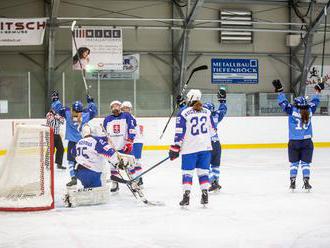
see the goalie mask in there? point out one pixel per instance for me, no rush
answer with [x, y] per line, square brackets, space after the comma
[92, 129]
[86, 131]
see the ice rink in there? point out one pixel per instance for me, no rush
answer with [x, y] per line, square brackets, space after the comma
[254, 209]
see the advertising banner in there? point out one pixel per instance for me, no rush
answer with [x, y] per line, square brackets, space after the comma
[22, 32]
[234, 71]
[99, 48]
[130, 71]
[313, 78]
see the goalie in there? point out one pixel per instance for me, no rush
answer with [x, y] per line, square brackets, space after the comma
[90, 154]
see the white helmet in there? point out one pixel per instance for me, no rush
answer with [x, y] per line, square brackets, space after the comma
[127, 104]
[86, 130]
[194, 95]
[92, 128]
[114, 102]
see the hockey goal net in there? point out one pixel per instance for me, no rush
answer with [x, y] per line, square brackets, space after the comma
[27, 174]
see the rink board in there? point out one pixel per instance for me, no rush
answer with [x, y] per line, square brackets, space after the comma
[234, 132]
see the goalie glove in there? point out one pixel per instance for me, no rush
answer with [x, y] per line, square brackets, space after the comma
[125, 161]
[221, 95]
[174, 152]
[277, 85]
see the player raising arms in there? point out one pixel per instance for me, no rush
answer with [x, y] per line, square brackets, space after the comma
[91, 153]
[126, 106]
[120, 128]
[76, 118]
[217, 116]
[194, 129]
[300, 131]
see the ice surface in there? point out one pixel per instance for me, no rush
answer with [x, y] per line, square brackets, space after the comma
[254, 209]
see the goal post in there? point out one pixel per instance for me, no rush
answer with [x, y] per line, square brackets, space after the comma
[27, 173]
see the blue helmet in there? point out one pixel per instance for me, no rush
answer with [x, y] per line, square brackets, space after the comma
[77, 106]
[209, 106]
[301, 102]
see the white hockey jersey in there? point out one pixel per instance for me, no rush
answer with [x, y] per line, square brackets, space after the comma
[91, 153]
[194, 130]
[120, 129]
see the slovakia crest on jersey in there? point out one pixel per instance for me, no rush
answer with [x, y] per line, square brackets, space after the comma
[116, 128]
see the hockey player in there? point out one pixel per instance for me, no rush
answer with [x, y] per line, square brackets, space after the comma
[300, 131]
[217, 116]
[76, 118]
[91, 153]
[194, 129]
[120, 128]
[126, 106]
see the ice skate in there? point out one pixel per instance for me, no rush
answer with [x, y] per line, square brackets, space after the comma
[215, 186]
[114, 187]
[205, 197]
[292, 184]
[73, 182]
[61, 167]
[185, 199]
[306, 185]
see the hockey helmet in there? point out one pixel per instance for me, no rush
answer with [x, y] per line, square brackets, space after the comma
[115, 102]
[194, 95]
[127, 104]
[86, 130]
[209, 105]
[301, 102]
[77, 106]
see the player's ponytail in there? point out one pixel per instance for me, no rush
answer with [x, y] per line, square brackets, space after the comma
[197, 105]
[304, 115]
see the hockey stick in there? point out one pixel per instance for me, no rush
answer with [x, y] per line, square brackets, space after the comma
[151, 168]
[199, 68]
[81, 67]
[138, 194]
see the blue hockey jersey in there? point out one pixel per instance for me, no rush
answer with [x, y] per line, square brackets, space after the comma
[217, 117]
[73, 128]
[297, 129]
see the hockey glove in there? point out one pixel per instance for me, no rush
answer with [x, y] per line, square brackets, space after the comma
[277, 85]
[174, 152]
[128, 146]
[319, 87]
[55, 96]
[89, 99]
[125, 161]
[221, 95]
[180, 100]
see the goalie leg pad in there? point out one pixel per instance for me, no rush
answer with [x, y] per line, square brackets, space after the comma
[87, 196]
